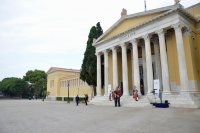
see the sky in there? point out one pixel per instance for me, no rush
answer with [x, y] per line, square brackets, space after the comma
[39, 34]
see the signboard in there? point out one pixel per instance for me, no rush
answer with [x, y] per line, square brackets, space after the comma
[109, 89]
[156, 87]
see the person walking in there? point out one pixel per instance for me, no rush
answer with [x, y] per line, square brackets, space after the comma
[86, 99]
[77, 100]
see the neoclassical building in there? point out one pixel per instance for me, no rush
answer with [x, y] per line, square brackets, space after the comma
[59, 79]
[162, 44]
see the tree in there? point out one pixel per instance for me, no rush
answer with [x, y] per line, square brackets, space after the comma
[89, 68]
[38, 81]
[13, 86]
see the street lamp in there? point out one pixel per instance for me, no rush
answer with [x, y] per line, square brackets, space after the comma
[29, 86]
[68, 92]
[78, 90]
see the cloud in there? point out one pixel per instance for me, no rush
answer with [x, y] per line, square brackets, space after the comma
[38, 34]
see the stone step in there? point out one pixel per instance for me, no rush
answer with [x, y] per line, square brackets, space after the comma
[126, 101]
[175, 101]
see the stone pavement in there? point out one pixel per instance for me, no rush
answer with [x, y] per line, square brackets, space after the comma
[24, 116]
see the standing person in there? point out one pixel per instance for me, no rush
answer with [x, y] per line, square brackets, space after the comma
[110, 95]
[133, 93]
[113, 95]
[136, 95]
[117, 97]
[119, 94]
[86, 99]
[77, 100]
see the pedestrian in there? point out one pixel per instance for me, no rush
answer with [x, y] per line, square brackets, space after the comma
[113, 95]
[86, 99]
[77, 100]
[117, 95]
[136, 95]
[110, 95]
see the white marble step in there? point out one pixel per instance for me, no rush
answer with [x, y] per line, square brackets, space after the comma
[126, 101]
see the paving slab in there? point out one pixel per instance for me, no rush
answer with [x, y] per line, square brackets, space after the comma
[35, 116]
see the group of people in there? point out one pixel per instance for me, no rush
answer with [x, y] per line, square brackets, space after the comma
[77, 99]
[115, 95]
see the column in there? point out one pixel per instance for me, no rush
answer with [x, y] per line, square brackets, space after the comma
[106, 72]
[148, 63]
[115, 67]
[181, 58]
[98, 74]
[136, 65]
[144, 70]
[158, 74]
[164, 62]
[124, 70]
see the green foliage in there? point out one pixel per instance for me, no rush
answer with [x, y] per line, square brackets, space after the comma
[59, 98]
[13, 86]
[38, 81]
[45, 93]
[70, 98]
[88, 68]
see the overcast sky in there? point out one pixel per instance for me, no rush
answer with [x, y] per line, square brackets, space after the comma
[39, 34]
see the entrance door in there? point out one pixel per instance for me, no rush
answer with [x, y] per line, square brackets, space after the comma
[141, 80]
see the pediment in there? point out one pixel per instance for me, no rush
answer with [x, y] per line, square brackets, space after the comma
[56, 69]
[129, 21]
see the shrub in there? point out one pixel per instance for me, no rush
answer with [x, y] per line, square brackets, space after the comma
[59, 98]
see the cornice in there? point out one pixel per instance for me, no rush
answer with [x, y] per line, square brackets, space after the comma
[136, 15]
[130, 31]
[195, 5]
[55, 69]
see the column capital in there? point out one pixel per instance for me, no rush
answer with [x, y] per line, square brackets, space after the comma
[106, 51]
[160, 32]
[98, 53]
[123, 45]
[177, 26]
[134, 41]
[113, 48]
[146, 37]
[187, 31]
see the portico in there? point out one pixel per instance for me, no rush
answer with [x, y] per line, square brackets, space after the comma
[147, 55]
[144, 52]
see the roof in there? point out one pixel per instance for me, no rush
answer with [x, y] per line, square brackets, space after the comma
[195, 5]
[54, 69]
[168, 10]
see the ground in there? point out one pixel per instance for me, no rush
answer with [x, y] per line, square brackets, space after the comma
[35, 116]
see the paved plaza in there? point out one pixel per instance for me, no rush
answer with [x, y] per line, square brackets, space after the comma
[35, 116]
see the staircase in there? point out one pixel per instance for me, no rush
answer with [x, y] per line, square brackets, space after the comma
[185, 100]
[126, 101]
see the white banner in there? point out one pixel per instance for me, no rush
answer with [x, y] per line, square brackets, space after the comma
[157, 87]
[109, 89]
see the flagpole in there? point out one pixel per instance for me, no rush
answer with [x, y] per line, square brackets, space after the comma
[145, 7]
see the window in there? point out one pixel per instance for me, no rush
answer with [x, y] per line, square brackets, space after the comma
[52, 84]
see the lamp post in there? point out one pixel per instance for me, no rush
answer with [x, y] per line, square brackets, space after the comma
[68, 92]
[78, 90]
[29, 85]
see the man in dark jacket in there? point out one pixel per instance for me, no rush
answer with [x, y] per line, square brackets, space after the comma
[77, 100]
[86, 99]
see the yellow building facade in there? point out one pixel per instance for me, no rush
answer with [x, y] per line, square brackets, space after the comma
[60, 80]
[160, 44]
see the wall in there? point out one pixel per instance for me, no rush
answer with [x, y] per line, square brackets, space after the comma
[129, 23]
[60, 91]
[194, 10]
